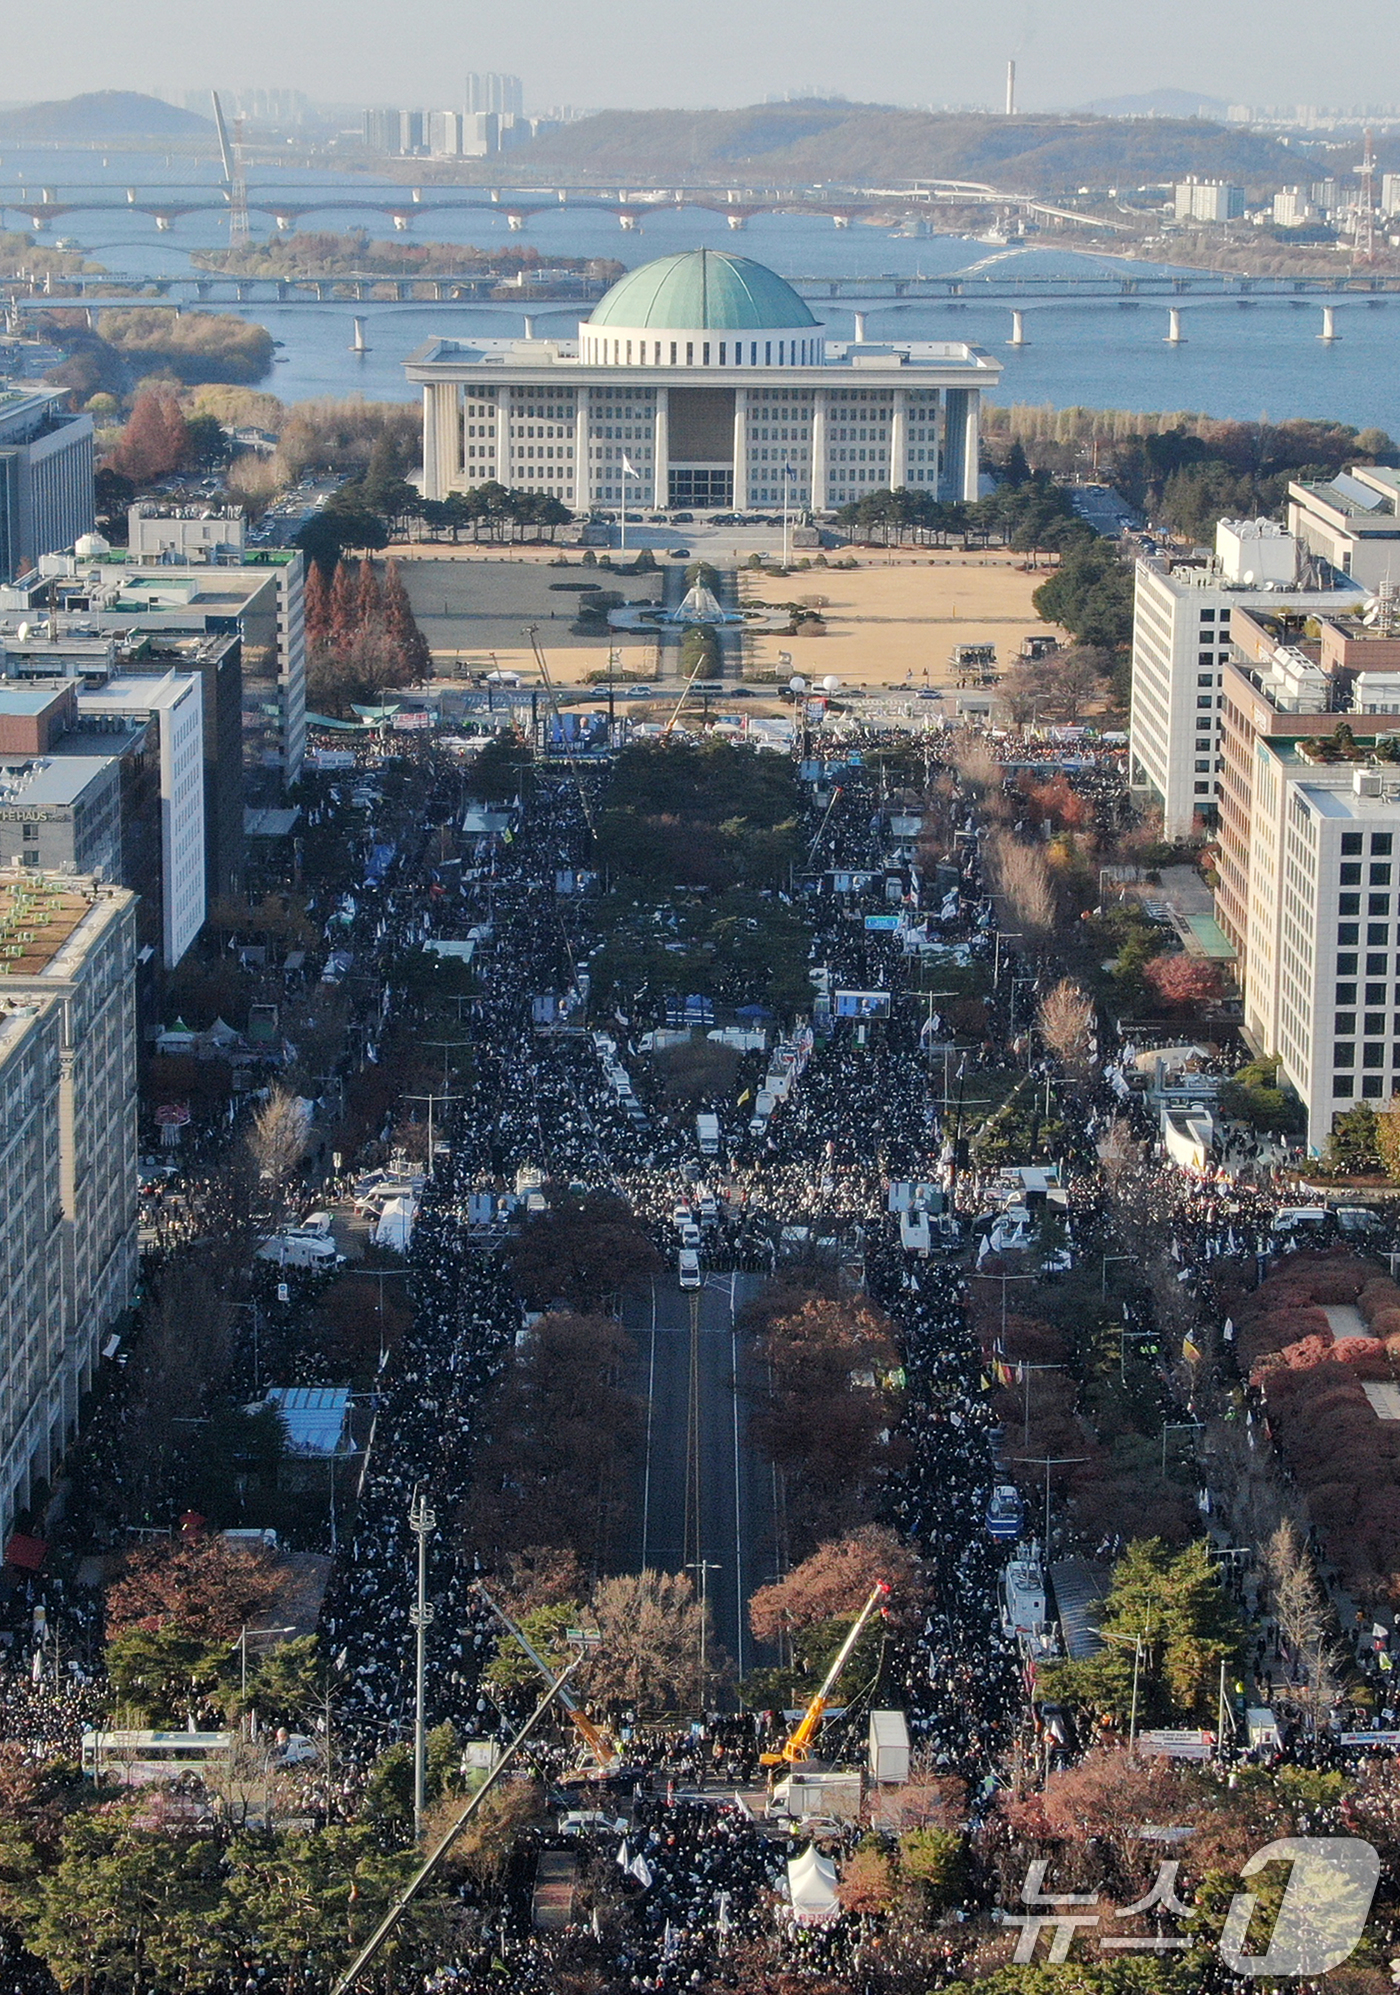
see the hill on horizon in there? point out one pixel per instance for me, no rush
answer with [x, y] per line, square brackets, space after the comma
[1158, 104]
[104, 114]
[798, 144]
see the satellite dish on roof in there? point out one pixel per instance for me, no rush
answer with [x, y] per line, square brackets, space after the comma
[25, 632]
[831, 684]
[1248, 578]
[797, 684]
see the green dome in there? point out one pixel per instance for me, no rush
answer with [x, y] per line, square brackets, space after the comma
[701, 290]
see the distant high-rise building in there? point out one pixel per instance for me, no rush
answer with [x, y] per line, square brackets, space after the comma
[504, 95]
[1390, 193]
[445, 134]
[1291, 208]
[285, 109]
[1208, 200]
[46, 477]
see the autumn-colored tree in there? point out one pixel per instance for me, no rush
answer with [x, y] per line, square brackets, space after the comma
[279, 1135]
[866, 1885]
[1388, 1138]
[401, 626]
[344, 603]
[831, 1403]
[155, 440]
[585, 1249]
[563, 1432]
[315, 605]
[368, 599]
[211, 1588]
[834, 1579]
[1183, 982]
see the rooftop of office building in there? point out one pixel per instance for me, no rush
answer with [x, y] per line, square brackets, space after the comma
[40, 916]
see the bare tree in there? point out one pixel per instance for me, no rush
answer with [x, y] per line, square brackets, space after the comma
[1076, 679]
[1023, 878]
[278, 1141]
[279, 1135]
[1300, 1609]
[975, 763]
[650, 1652]
[1067, 1023]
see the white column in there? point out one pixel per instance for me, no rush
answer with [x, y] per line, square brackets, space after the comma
[741, 449]
[899, 438]
[819, 451]
[432, 473]
[447, 421]
[661, 449]
[583, 468]
[972, 430]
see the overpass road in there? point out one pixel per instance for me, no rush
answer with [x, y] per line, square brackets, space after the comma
[705, 1494]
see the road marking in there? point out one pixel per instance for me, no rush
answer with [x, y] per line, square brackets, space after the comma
[651, 1406]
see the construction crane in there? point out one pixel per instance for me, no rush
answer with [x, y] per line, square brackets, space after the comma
[596, 1740]
[795, 1747]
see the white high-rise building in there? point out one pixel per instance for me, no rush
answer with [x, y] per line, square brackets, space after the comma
[1181, 644]
[68, 1158]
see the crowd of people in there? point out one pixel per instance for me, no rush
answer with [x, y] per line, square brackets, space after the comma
[869, 1103]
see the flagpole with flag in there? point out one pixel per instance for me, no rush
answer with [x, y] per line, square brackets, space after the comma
[627, 472]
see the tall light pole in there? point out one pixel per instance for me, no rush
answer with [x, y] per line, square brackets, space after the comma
[432, 1101]
[422, 1522]
[704, 1567]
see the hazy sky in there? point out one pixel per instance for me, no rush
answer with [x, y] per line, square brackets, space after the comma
[696, 52]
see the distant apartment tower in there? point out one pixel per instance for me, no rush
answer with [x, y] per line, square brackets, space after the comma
[283, 108]
[505, 95]
[46, 477]
[68, 1161]
[445, 134]
[1292, 208]
[1323, 195]
[1390, 193]
[381, 128]
[1208, 200]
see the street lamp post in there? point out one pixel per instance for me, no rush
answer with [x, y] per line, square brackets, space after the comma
[703, 1568]
[422, 1522]
[1002, 935]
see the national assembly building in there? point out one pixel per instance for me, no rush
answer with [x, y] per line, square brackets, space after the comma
[697, 382]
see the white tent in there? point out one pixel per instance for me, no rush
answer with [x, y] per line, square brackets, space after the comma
[812, 1888]
[395, 1228]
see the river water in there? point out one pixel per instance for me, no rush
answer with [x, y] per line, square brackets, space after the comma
[1258, 360]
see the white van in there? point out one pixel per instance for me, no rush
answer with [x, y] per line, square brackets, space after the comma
[689, 1268]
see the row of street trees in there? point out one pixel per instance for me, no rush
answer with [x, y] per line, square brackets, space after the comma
[361, 634]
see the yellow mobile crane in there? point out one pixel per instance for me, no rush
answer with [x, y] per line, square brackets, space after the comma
[794, 1749]
[596, 1740]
